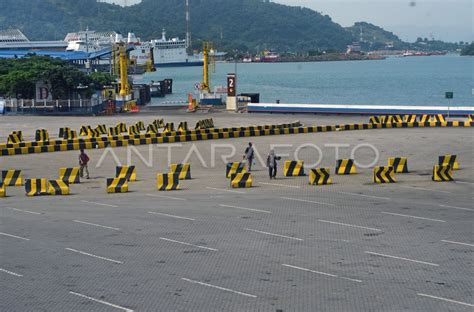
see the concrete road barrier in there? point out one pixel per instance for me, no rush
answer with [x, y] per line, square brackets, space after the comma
[167, 182]
[234, 167]
[70, 175]
[241, 180]
[126, 172]
[345, 166]
[385, 174]
[12, 177]
[449, 160]
[36, 187]
[293, 168]
[442, 173]
[58, 187]
[400, 164]
[117, 185]
[320, 176]
[182, 170]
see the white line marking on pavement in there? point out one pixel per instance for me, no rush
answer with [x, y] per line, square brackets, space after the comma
[171, 216]
[11, 273]
[225, 190]
[273, 234]
[455, 207]
[415, 217]
[27, 211]
[14, 236]
[101, 301]
[91, 255]
[242, 208]
[464, 182]
[188, 244]
[163, 196]
[445, 299]
[318, 272]
[345, 224]
[220, 288]
[400, 258]
[98, 225]
[423, 189]
[363, 195]
[459, 243]
[282, 185]
[307, 201]
[98, 204]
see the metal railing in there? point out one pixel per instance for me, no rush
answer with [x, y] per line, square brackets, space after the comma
[55, 107]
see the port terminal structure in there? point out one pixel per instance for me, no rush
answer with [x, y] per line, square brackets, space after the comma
[358, 109]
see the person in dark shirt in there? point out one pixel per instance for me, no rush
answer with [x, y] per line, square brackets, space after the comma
[83, 161]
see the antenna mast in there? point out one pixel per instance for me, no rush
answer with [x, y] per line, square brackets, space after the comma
[188, 32]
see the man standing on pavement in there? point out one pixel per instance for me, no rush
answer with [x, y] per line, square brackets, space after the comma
[272, 164]
[249, 155]
[83, 160]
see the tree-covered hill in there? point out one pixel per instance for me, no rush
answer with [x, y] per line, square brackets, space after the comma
[373, 37]
[239, 24]
[468, 50]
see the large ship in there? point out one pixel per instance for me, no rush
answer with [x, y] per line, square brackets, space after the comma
[166, 52]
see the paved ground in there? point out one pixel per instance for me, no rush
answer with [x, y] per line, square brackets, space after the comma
[280, 246]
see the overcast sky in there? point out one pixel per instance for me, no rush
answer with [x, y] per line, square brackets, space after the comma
[448, 20]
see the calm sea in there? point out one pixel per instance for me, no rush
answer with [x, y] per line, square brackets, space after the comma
[394, 81]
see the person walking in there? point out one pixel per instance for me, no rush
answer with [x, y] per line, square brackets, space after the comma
[249, 155]
[272, 164]
[83, 161]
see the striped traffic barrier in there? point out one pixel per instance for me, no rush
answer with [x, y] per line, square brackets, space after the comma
[102, 129]
[140, 125]
[448, 160]
[36, 187]
[117, 185]
[133, 130]
[84, 130]
[62, 130]
[409, 118]
[167, 181]
[12, 177]
[121, 127]
[69, 135]
[93, 133]
[400, 164]
[234, 167]
[3, 192]
[70, 175]
[15, 137]
[114, 131]
[126, 172]
[58, 187]
[442, 173]
[182, 170]
[241, 180]
[376, 119]
[345, 166]
[159, 123]
[384, 174]
[432, 118]
[169, 127]
[183, 126]
[293, 168]
[41, 135]
[320, 176]
[394, 119]
[152, 129]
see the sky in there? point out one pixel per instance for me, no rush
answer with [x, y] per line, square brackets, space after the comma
[447, 20]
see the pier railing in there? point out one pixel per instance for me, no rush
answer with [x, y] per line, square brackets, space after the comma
[54, 107]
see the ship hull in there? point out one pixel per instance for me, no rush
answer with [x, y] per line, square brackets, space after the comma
[180, 64]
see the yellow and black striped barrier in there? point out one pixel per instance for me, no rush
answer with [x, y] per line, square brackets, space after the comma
[241, 180]
[133, 130]
[152, 129]
[69, 135]
[345, 166]
[183, 126]
[121, 127]
[449, 160]
[36, 187]
[233, 168]
[400, 164]
[293, 168]
[182, 170]
[167, 181]
[102, 129]
[15, 137]
[114, 131]
[432, 118]
[384, 174]
[442, 173]
[84, 130]
[93, 133]
[320, 176]
[58, 187]
[70, 175]
[126, 172]
[3, 192]
[140, 125]
[117, 185]
[41, 135]
[12, 177]
[409, 118]
[116, 140]
[169, 127]
[63, 130]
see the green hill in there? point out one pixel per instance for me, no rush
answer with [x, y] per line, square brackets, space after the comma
[468, 50]
[246, 25]
[373, 37]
